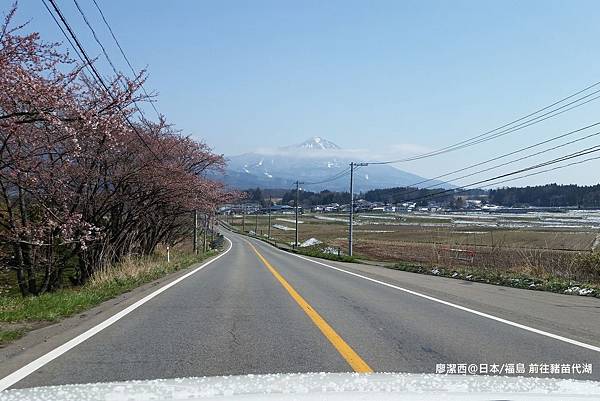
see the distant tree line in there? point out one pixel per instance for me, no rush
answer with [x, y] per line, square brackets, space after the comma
[551, 195]
[387, 195]
[308, 198]
[261, 195]
[408, 194]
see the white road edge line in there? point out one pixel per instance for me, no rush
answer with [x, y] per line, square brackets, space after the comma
[463, 308]
[31, 367]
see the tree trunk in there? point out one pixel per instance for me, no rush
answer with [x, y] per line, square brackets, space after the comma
[26, 249]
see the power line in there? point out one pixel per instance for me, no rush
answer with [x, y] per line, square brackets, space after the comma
[550, 169]
[95, 36]
[95, 73]
[66, 36]
[349, 170]
[123, 53]
[573, 155]
[528, 156]
[591, 149]
[525, 124]
[104, 52]
[111, 62]
[516, 160]
[506, 154]
[465, 189]
[337, 176]
[505, 129]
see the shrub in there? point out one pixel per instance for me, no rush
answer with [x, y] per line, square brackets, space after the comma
[588, 265]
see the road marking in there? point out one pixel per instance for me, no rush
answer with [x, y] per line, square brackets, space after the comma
[353, 359]
[31, 367]
[456, 306]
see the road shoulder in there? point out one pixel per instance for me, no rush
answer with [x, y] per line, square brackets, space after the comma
[38, 342]
[571, 316]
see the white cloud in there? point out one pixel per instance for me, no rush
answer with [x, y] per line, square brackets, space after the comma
[379, 152]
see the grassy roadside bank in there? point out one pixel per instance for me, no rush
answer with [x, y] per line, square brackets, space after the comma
[507, 279]
[19, 315]
[541, 281]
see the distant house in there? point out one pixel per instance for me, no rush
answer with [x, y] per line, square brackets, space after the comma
[284, 209]
[331, 207]
[473, 203]
[406, 207]
[238, 208]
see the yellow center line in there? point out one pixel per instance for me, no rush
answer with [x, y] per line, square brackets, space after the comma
[334, 338]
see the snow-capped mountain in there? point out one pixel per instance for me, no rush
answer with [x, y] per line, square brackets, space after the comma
[312, 161]
[316, 143]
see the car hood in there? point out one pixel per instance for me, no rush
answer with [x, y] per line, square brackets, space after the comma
[321, 386]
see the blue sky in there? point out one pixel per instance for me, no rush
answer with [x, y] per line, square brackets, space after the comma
[384, 78]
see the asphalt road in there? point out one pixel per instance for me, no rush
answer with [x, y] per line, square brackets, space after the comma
[260, 310]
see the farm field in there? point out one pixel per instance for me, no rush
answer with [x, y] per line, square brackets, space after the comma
[571, 231]
[546, 242]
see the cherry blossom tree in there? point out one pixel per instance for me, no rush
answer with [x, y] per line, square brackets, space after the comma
[83, 183]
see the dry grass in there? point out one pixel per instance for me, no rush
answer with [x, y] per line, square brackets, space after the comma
[389, 230]
[129, 269]
[18, 314]
[540, 252]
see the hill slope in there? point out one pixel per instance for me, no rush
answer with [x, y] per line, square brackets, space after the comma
[314, 160]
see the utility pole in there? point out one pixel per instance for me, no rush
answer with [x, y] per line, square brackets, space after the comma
[204, 233]
[269, 229]
[243, 218]
[297, 198]
[195, 231]
[256, 224]
[351, 216]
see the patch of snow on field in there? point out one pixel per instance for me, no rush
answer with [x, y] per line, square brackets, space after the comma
[374, 231]
[367, 216]
[330, 218]
[284, 228]
[472, 216]
[289, 220]
[310, 242]
[566, 226]
[474, 223]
